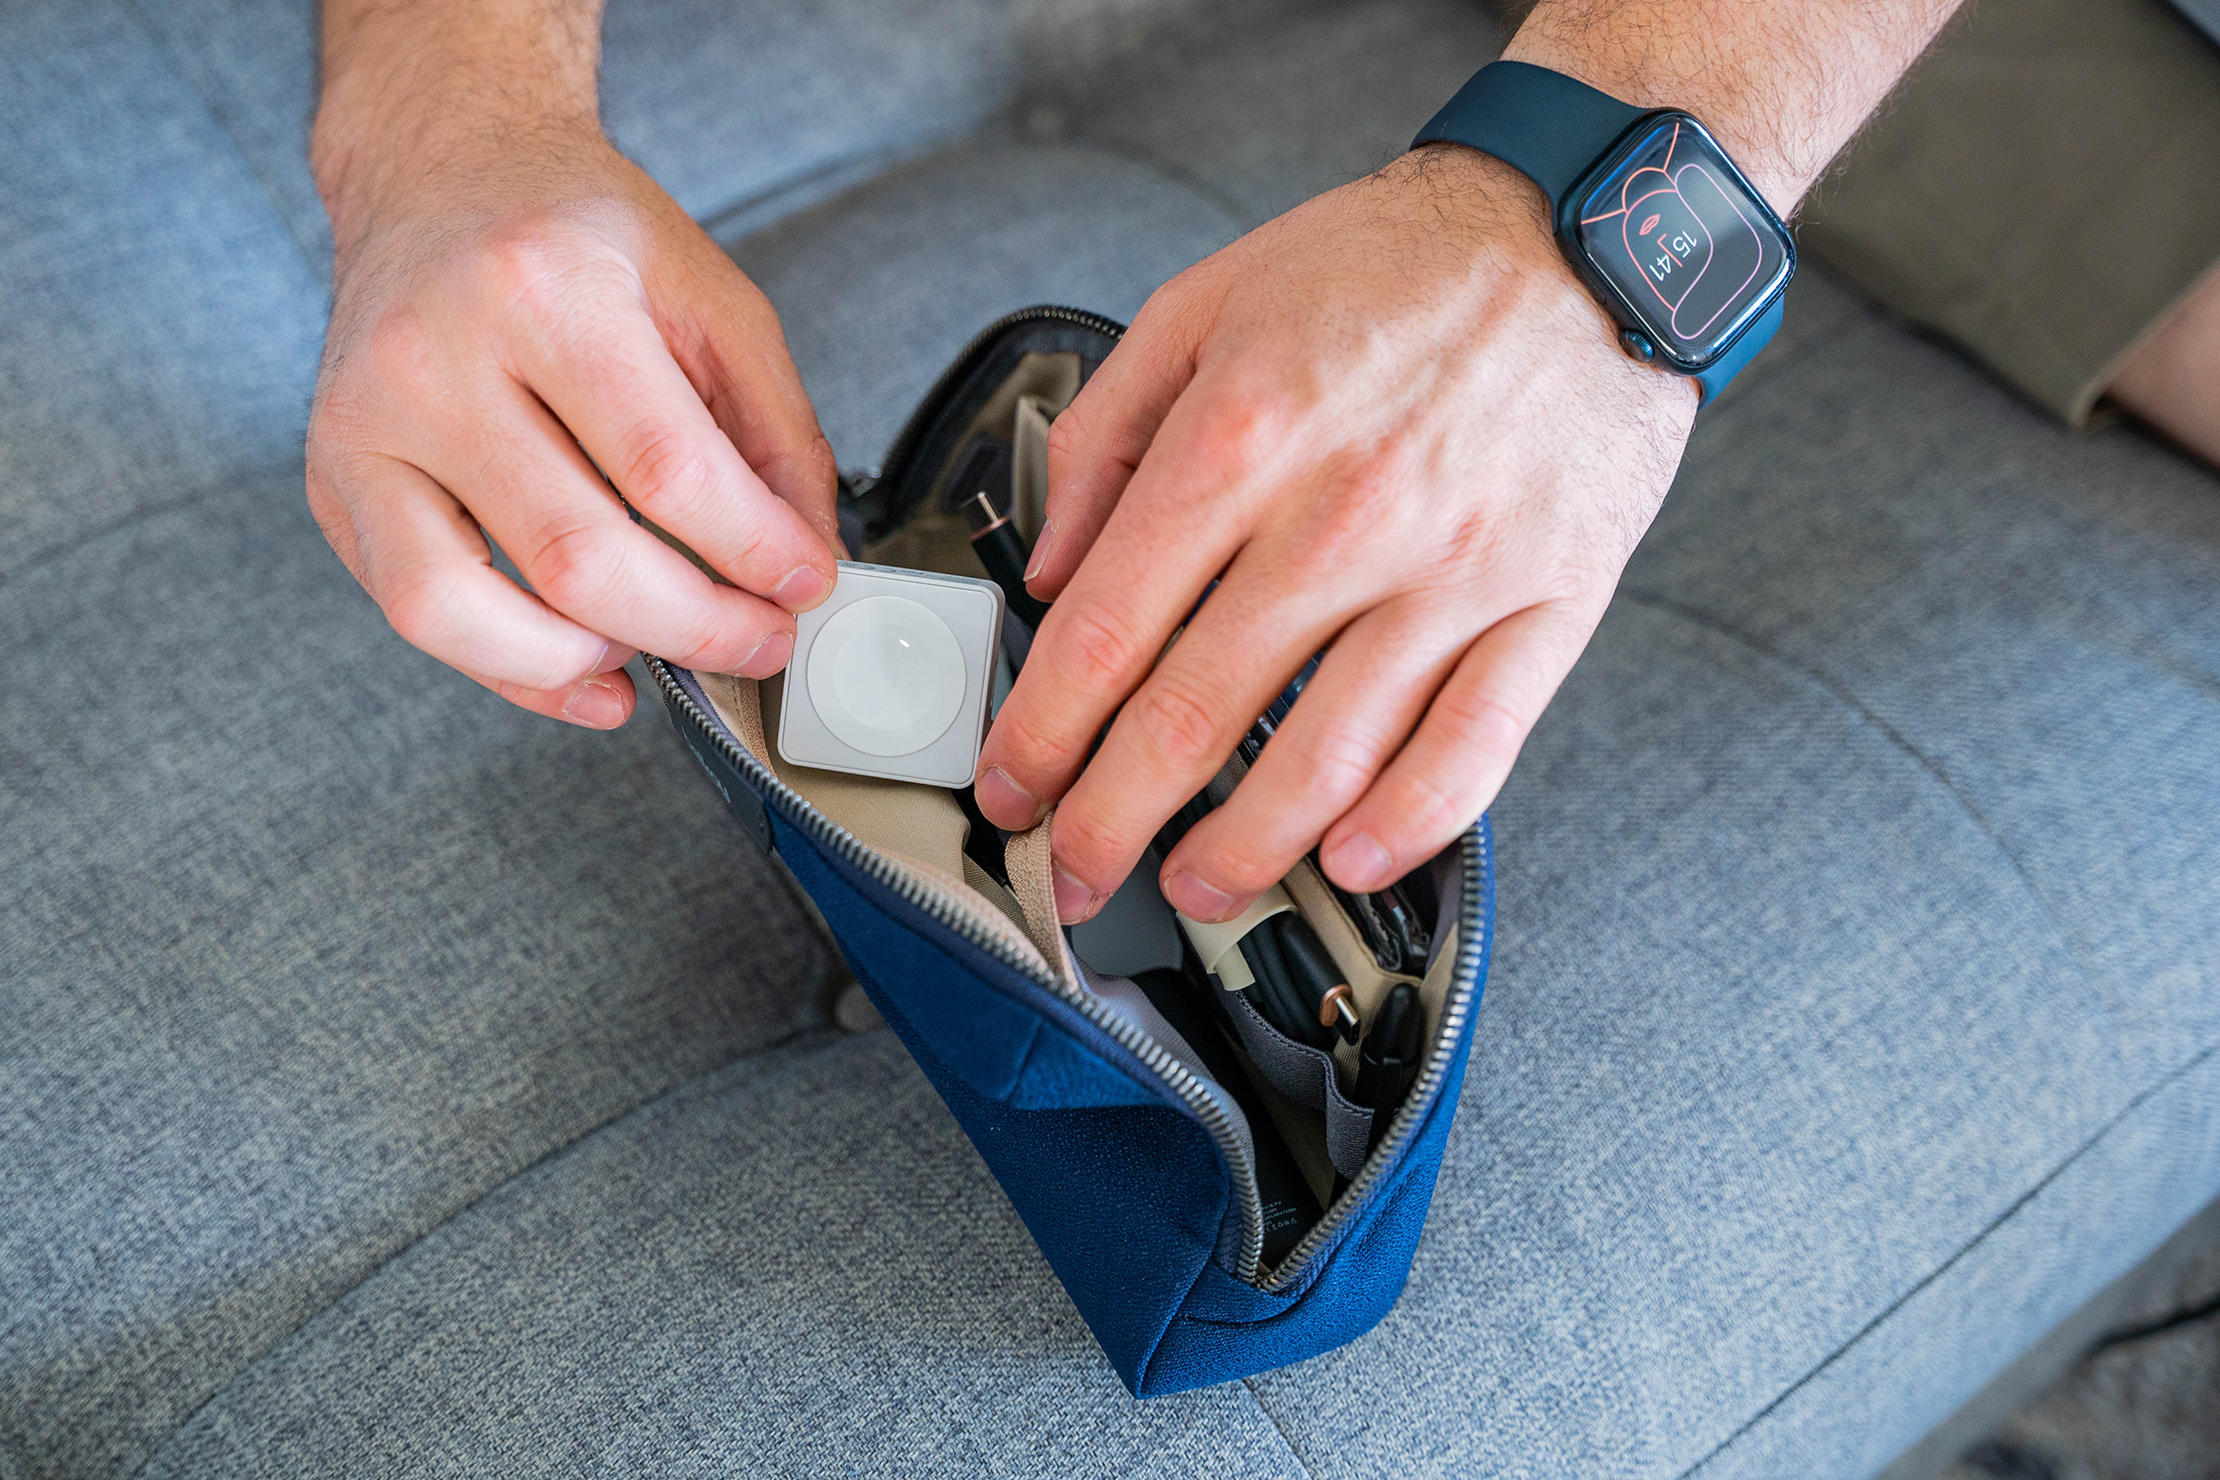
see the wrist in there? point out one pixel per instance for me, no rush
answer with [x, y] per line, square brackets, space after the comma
[373, 164]
[1507, 264]
[1781, 88]
[412, 101]
[1722, 102]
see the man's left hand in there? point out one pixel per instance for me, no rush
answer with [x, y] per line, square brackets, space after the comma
[1391, 421]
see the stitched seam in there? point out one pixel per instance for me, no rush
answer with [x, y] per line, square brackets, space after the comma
[215, 116]
[1895, 737]
[371, 1273]
[1257, 1398]
[835, 177]
[1243, 215]
[1952, 1262]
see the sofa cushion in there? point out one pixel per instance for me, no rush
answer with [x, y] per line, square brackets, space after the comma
[1851, 1021]
[1815, 1079]
[740, 108]
[306, 942]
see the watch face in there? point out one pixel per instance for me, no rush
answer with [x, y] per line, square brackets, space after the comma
[1689, 248]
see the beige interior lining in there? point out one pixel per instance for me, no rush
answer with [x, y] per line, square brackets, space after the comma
[1029, 465]
[1025, 858]
[935, 538]
[1051, 378]
[919, 828]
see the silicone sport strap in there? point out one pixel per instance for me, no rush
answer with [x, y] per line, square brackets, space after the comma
[1713, 378]
[1543, 124]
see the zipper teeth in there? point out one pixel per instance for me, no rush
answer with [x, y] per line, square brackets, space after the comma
[899, 452]
[1190, 1090]
[1456, 1002]
[1456, 1008]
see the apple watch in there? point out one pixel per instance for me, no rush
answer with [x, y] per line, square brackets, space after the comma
[1679, 248]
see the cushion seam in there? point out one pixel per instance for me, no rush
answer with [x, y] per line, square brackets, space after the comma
[1256, 1401]
[185, 76]
[373, 1271]
[2010, 1212]
[1895, 737]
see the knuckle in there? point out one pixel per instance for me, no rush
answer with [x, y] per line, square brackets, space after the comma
[1068, 432]
[572, 569]
[1482, 725]
[1340, 764]
[811, 464]
[542, 267]
[1099, 651]
[1245, 426]
[1180, 725]
[419, 605]
[1238, 869]
[1021, 749]
[663, 471]
[1086, 839]
[1426, 809]
[396, 348]
[816, 460]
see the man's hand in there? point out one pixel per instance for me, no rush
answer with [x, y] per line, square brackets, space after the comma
[521, 319]
[1391, 422]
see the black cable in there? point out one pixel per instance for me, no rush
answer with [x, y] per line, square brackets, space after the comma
[1324, 988]
[1002, 551]
[2160, 1327]
[1388, 1061]
[1268, 993]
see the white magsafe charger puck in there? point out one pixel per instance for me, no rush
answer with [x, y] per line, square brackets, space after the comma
[892, 675]
[886, 676]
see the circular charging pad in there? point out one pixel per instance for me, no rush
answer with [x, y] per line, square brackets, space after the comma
[886, 676]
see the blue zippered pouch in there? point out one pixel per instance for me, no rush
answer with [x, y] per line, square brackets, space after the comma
[1210, 1194]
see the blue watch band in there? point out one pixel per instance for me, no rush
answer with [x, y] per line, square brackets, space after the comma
[1547, 126]
[1553, 129]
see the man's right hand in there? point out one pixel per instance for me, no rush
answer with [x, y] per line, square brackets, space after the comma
[514, 306]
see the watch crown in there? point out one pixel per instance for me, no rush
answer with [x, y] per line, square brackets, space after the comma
[1637, 346]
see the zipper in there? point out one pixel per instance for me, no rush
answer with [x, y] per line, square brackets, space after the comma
[1457, 1001]
[829, 834]
[1456, 1008]
[905, 441]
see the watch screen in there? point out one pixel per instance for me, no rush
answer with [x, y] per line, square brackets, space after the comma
[1689, 248]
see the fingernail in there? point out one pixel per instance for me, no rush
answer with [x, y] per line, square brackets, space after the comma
[769, 657]
[1196, 899]
[1006, 803]
[1040, 550]
[1359, 862]
[595, 704]
[801, 588]
[1074, 900]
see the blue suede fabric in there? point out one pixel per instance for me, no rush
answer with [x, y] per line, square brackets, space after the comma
[1122, 1189]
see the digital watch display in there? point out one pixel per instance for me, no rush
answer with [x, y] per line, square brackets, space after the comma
[1670, 228]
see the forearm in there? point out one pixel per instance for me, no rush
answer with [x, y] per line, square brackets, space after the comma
[415, 87]
[1784, 84]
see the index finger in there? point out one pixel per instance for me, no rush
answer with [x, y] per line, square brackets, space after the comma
[603, 368]
[1178, 524]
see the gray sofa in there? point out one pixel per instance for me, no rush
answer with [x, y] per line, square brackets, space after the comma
[392, 1083]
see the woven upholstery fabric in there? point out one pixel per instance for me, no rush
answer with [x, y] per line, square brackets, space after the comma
[392, 1083]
